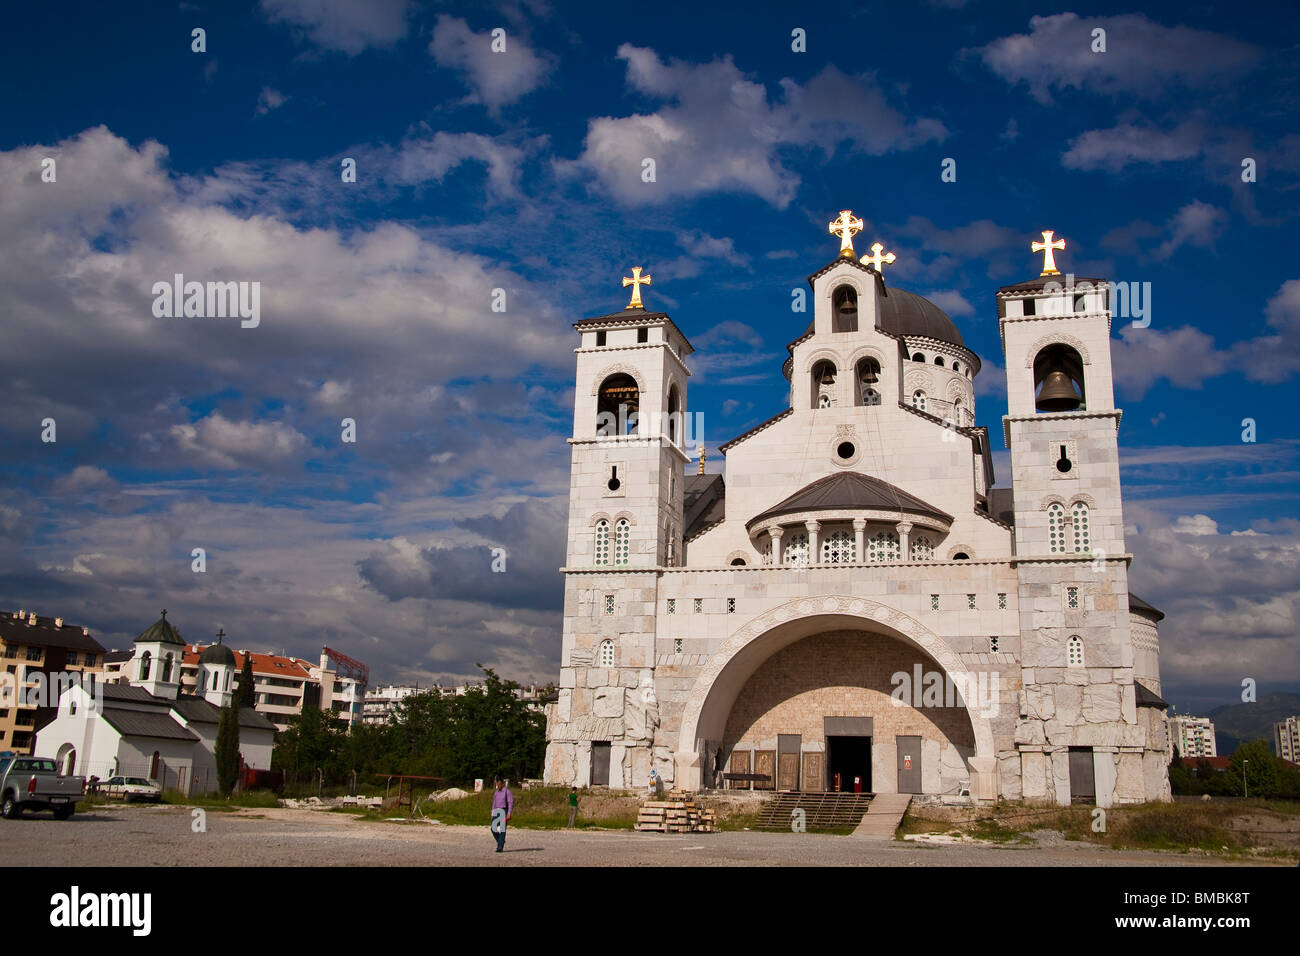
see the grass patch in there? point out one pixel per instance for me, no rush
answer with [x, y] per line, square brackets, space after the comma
[1172, 826]
[258, 799]
[546, 808]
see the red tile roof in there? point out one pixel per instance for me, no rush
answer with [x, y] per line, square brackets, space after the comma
[271, 665]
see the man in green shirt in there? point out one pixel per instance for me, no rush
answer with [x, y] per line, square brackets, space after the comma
[573, 805]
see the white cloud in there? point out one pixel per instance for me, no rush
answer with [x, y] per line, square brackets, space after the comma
[951, 301]
[718, 132]
[1133, 143]
[347, 26]
[217, 442]
[1195, 525]
[1196, 224]
[270, 99]
[83, 478]
[495, 79]
[1142, 57]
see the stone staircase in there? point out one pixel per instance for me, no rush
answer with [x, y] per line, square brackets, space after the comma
[821, 810]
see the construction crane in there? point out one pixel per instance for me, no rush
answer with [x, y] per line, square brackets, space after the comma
[347, 666]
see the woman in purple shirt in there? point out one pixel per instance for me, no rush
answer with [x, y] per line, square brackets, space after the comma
[503, 807]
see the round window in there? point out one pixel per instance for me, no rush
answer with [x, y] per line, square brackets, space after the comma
[845, 449]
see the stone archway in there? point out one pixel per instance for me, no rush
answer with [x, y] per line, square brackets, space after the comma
[66, 760]
[711, 697]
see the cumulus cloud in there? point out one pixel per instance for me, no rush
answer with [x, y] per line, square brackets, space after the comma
[495, 79]
[82, 479]
[1142, 57]
[951, 301]
[346, 26]
[270, 99]
[1195, 224]
[719, 132]
[217, 442]
[1133, 143]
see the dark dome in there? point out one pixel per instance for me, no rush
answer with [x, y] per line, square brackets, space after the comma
[905, 313]
[217, 654]
[161, 631]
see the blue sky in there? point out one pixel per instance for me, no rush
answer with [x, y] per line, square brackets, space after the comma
[521, 170]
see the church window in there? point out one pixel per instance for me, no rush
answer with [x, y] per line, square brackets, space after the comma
[868, 376]
[731, 605]
[823, 401]
[1056, 527]
[1079, 524]
[672, 605]
[167, 668]
[674, 415]
[823, 384]
[146, 660]
[609, 604]
[938, 360]
[961, 556]
[617, 404]
[993, 643]
[1028, 307]
[622, 532]
[602, 541]
[1074, 652]
[918, 400]
[970, 602]
[922, 548]
[1080, 303]
[918, 357]
[72, 706]
[844, 309]
[737, 562]
[882, 546]
[767, 552]
[934, 602]
[1072, 598]
[606, 655]
[870, 396]
[1002, 602]
[600, 338]
[845, 449]
[838, 548]
[227, 680]
[796, 552]
[699, 605]
[956, 367]
[677, 645]
[642, 336]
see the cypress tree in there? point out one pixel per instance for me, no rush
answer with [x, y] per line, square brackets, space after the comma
[227, 748]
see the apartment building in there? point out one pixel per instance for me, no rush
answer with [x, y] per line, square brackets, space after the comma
[1286, 739]
[31, 645]
[1193, 736]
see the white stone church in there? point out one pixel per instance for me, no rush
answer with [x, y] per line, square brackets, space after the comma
[802, 623]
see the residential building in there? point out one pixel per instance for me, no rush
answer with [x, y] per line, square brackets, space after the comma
[32, 645]
[1286, 739]
[1193, 736]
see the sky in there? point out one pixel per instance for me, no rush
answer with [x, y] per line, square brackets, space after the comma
[521, 169]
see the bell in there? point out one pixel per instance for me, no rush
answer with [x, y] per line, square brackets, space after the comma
[848, 307]
[869, 377]
[828, 377]
[1058, 394]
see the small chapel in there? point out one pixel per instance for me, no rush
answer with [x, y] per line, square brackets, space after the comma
[857, 604]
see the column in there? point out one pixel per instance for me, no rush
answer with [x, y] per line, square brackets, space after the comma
[775, 535]
[860, 539]
[904, 529]
[814, 546]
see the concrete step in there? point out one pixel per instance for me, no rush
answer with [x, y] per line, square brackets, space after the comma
[883, 816]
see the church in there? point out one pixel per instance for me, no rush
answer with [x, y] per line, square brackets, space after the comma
[857, 605]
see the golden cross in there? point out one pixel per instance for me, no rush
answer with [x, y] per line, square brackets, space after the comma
[876, 260]
[1046, 246]
[845, 227]
[636, 282]
[703, 454]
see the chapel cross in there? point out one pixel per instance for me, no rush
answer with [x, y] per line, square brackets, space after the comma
[221, 632]
[1046, 247]
[876, 260]
[845, 227]
[636, 282]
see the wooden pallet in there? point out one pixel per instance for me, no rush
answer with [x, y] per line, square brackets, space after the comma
[676, 814]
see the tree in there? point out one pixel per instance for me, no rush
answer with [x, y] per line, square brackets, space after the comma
[227, 749]
[1260, 766]
[314, 740]
[244, 694]
[495, 732]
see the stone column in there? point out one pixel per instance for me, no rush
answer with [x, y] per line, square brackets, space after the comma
[775, 535]
[904, 529]
[860, 539]
[814, 546]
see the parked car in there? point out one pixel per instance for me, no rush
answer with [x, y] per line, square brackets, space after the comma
[131, 788]
[34, 783]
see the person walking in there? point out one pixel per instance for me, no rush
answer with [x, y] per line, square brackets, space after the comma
[503, 808]
[573, 805]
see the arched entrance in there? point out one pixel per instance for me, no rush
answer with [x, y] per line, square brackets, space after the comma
[66, 760]
[763, 685]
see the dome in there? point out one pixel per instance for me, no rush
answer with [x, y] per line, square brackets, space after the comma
[850, 491]
[161, 632]
[906, 313]
[217, 654]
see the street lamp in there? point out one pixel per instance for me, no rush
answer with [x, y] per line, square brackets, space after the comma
[1244, 785]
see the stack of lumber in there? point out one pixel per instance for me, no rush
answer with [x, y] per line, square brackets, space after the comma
[675, 814]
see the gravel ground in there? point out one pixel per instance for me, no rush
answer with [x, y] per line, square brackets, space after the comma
[162, 836]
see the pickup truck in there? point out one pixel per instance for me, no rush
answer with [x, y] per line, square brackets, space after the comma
[33, 783]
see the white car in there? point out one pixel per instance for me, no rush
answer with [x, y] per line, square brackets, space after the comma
[131, 788]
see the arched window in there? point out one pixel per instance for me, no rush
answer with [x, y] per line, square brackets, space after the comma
[227, 680]
[602, 542]
[938, 360]
[883, 546]
[1074, 651]
[918, 357]
[146, 662]
[605, 657]
[674, 415]
[823, 384]
[617, 404]
[961, 556]
[1056, 527]
[956, 367]
[838, 548]
[1079, 522]
[167, 668]
[922, 548]
[622, 535]
[918, 400]
[767, 552]
[844, 309]
[737, 562]
[868, 375]
[796, 552]
[1058, 380]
